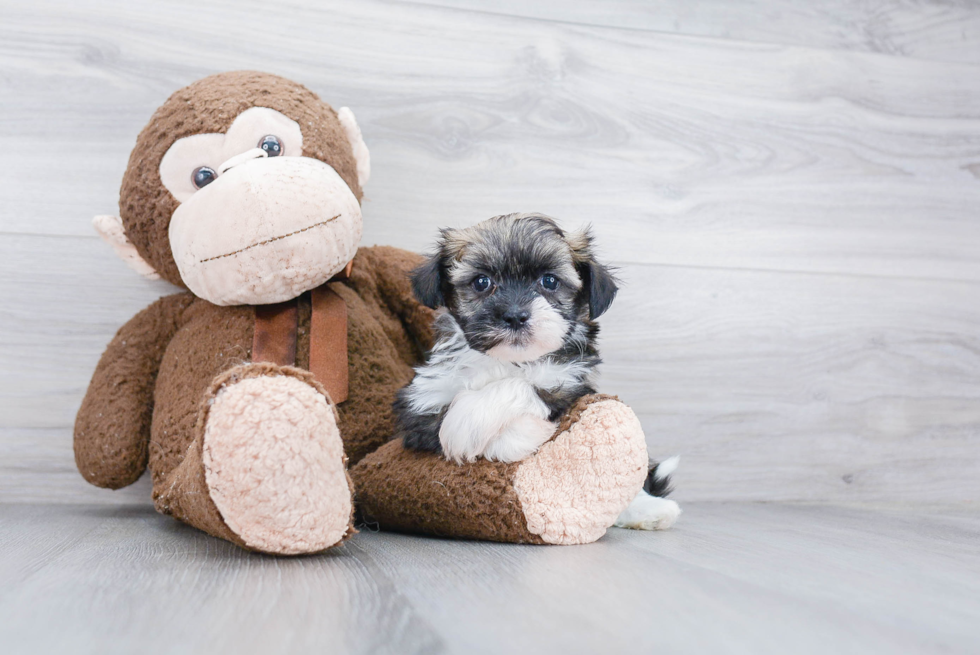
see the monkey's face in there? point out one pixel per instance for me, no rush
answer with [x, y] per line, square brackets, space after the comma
[245, 188]
[258, 222]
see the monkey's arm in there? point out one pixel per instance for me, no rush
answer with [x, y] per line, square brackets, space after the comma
[112, 429]
[382, 272]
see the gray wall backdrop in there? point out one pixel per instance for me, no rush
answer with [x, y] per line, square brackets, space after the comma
[792, 194]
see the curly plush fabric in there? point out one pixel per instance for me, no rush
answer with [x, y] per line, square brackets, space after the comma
[412, 491]
[143, 405]
[274, 463]
[251, 451]
[209, 106]
[578, 483]
[570, 492]
[111, 445]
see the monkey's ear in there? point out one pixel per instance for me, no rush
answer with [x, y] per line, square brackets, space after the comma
[110, 228]
[601, 284]
[427, 282]
[357, 144]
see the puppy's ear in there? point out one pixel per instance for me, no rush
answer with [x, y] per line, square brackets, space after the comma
[427, 282]
[602, 288]
[598, 280]
[430, 285]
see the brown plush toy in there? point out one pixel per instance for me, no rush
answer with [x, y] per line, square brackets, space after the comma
[250, 393]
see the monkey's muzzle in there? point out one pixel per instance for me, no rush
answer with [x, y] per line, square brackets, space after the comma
[265, 231]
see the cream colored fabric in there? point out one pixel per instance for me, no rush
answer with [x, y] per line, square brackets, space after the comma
[245, 133]
[110, 228]
[241, 158]
[274, 465]
[184, 157]
[266, 231]
[575, 487]
[361, 153]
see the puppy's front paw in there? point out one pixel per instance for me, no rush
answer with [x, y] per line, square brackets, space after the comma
[648, 512]
[519, 439]
[497, 422]
[466, 428]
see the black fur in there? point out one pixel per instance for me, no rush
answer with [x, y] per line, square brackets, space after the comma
[418, 431]
[427, 283]
[601, 285]
[515, 252]
[560, 400]
[657, 487]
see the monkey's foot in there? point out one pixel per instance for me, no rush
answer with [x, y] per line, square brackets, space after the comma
[274, 462]
[266, 469]
[576, 485]
[569, 492]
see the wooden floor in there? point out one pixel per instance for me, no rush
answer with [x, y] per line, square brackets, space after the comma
[791, 191]
[731, 578]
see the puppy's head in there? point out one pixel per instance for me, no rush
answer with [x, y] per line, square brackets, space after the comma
[516, 284]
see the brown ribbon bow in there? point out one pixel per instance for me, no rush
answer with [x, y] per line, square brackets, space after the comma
[275, 336]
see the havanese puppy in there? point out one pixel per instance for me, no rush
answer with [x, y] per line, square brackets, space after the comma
[515, 347]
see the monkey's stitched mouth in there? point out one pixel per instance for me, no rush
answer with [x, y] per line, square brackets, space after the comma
[262, 243]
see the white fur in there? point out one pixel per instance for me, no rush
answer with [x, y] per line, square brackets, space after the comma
[478, 421]
[494, 409]
[519, 439]
[667, 466]
[647, 512]
[546, 332]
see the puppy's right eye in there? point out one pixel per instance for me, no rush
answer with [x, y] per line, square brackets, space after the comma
[481, 283]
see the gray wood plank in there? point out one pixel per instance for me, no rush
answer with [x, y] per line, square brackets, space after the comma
[930, 29]
[729, 578]
[802, 387]
[770, 386]
[682, 150]
[91, 580]
[797, 226]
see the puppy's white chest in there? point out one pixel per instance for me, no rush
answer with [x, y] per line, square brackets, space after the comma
[489, 371]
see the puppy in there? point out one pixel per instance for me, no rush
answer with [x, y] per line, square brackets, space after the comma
[515, 346]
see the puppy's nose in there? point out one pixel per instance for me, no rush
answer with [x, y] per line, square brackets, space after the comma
[516, 317]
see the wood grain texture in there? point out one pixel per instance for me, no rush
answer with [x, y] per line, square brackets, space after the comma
[841, 388]
[795, 218]
[718, 152]
[771, 386]
[729, 578]
[928, 29]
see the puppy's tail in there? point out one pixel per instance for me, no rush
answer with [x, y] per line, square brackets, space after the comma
[658, 479]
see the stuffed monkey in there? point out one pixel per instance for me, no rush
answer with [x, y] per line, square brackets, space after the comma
[248, 394]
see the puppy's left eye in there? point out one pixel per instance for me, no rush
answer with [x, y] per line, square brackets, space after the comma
[481, 284]
[549, 282]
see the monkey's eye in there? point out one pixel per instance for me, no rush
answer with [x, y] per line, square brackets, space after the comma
[549, 282]
[271, 144]
[203, 176]
[481, 283]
